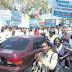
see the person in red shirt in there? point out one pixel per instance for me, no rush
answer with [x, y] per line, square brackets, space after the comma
[36, 32]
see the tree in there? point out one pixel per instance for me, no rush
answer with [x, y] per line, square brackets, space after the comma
[26, 6]
[40, 6]
[32, 16]
[6, 4]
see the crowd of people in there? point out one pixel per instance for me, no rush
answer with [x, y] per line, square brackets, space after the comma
[57, 46]
[57, 51]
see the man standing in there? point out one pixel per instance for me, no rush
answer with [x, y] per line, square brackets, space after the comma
[47, 60]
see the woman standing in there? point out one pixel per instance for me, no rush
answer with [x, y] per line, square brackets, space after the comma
[61, 50]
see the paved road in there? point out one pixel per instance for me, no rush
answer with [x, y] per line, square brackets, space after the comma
[66, 70]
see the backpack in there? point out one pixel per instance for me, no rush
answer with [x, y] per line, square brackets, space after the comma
[58, 67]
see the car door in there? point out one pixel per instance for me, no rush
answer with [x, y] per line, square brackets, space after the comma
[36, 45]
[36, 48]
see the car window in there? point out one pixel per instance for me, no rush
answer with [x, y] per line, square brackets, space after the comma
[37, 42]
[15, 43]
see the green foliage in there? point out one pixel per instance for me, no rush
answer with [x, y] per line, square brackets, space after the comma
[26, 6]
[32, 16]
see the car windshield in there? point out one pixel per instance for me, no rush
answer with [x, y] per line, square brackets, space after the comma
[14, 43]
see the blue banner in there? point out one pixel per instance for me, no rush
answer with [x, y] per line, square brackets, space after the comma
[5, 15]
[8, 22]
[33, 22]
[50, 22]
[62, 8]
[16, 17]
[63, 14]
[67, 22]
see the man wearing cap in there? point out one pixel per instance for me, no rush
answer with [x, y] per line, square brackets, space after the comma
[52, 35]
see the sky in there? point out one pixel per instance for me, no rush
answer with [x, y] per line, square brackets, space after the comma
[50, 2]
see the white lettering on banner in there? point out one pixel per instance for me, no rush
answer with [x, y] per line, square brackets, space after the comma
[5, 14]
[62, 8]
[50, 22]
[61, 1]
[16, 17]
[32, 22]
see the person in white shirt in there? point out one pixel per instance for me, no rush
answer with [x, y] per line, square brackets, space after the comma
[30, 32]
[17, 32]
[2, 36]
[6, 32]
[10, 32]
[44, 60]
[23, 31]
[52, 35]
